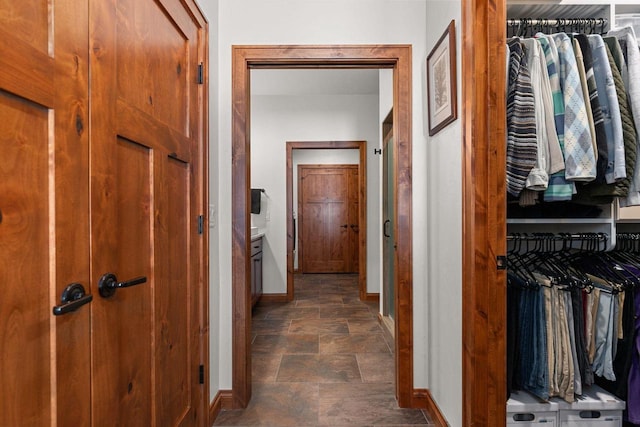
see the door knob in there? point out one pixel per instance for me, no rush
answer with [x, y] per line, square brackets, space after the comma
[108, 284]
[72, 298]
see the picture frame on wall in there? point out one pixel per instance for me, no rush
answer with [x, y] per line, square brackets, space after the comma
[441, 81]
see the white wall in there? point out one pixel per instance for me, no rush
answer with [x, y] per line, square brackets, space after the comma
[444, 231]
[251, 22]
[278, 119]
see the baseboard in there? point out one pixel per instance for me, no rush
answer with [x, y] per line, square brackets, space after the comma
[387, 330]
[223, 400]
[422, 398]
[372, 297]
[274, 298]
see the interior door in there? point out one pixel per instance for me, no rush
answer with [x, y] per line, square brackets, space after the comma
[354, 225]
[44, 223]
[388, 215]
[325, 233]
[145, 207]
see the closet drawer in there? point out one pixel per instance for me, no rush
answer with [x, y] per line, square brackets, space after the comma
[591, 418]
[256, 246]
[530, 419]
[595, 408]
[524, 410]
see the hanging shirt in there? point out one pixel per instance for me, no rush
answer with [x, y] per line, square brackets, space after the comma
[522, 144]
[596, 110]
[550, 158]
[579, 157]
[559, 188]
[610, 108]
[629, 45]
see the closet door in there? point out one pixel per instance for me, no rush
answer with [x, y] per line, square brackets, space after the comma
[44, 223]
[146, 197]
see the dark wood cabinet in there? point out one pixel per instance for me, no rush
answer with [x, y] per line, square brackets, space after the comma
[256, 270]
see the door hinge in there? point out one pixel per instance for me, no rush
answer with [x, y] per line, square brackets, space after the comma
[501, 262]
[200, 73]
[201, 373]
[200, 224]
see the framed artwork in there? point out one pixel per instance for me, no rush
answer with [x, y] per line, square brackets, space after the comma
[441, 81]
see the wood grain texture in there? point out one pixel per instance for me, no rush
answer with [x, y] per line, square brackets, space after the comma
[397, 57]
[147, 194]
[44, 212]
[432, 408]
[484, 230]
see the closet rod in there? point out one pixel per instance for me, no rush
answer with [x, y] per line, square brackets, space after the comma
[556, 22]
[559, 236]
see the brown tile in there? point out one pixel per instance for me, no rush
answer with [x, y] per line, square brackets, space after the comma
[353, 343]
[291, 312]
[364, 404]
[358, 410]
[319, 300]
[281, 404]
[346, 312]
[376, 367]
[285, 344]
[345, 390]
[319, 368]
[364, 326]
[318, 326]
[264, 367]
[270, 326]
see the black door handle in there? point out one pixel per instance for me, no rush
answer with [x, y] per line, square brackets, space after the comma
[72, 298]
[344, 226]
[354, 227]
[108, 284]
[384, 228]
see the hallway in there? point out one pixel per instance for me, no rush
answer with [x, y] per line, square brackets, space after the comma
[321, 360]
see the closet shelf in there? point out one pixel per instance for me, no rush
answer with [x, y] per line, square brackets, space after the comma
[559, 221]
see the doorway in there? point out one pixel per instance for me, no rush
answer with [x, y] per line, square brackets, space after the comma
[362, 208]
[396, 57]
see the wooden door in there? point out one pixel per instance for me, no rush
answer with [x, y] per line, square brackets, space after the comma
[325, 241]
[353, 236]
[44, 223]
[146, 198]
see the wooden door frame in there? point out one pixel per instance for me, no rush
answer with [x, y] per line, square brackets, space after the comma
[362, 207]
[484, 213]
[245, 58]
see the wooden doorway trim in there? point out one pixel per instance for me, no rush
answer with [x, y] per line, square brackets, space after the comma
[484, 213]
[396, 57]
[362, 207]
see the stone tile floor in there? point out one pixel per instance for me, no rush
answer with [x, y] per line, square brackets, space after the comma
[321, 360]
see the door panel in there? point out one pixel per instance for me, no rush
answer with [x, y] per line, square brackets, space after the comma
[326, 238]
[122, 323]
[354, 226]
[26, 321]
[145, 204]
[43, 212]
